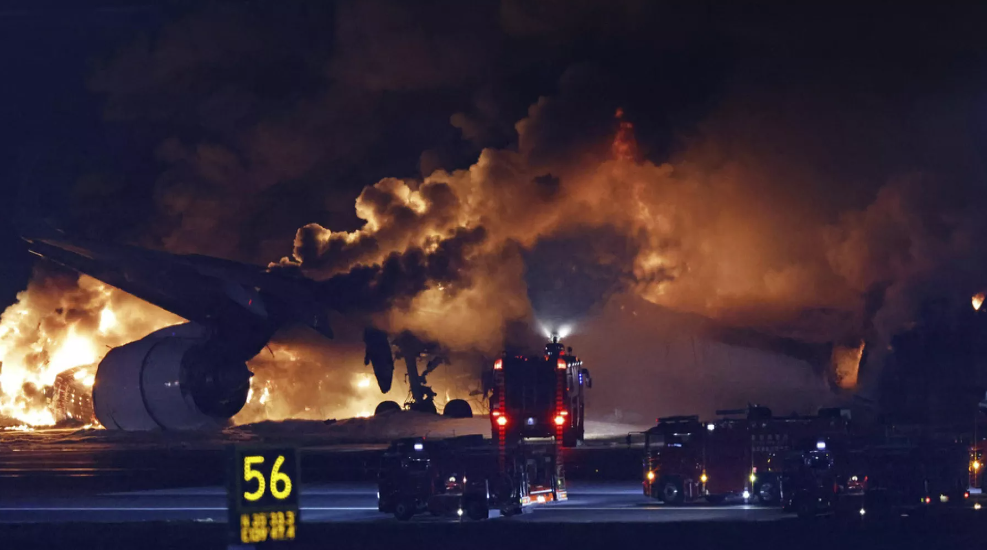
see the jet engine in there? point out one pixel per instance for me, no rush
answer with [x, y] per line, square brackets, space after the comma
[177, 378]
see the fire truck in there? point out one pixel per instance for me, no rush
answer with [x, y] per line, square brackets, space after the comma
[731, 457]
[886, 478]
[468, 476]
[537, 396]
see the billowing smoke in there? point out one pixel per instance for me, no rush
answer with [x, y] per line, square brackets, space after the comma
[504, 179]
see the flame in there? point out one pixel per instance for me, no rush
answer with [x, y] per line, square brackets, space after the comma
[624, 143]
[21, 428]
[107, 320]
[60, 323]
[846, 364]
[977, 300]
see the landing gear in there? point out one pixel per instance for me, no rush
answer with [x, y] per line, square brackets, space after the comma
[426, 406]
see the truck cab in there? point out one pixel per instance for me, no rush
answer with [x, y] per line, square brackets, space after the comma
[442, 477]
[809, 481]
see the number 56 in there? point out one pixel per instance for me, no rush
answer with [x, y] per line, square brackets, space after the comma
[280, 482]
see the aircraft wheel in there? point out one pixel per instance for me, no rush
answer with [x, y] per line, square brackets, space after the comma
[386, 406]
[457, 408]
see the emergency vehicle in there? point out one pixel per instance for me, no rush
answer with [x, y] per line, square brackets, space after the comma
[731, 457]
[467, 476]
[534, 396]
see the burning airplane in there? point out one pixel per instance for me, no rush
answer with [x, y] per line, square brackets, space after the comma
[189, 375]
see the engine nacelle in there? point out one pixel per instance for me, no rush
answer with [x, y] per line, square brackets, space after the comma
[172, 379]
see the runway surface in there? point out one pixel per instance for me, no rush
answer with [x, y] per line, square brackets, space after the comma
[588, 502]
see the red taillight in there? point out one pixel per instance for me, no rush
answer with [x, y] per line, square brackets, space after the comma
[966, 494]
[561, 364]
[559, 420]
[499, 364]
[502, 420]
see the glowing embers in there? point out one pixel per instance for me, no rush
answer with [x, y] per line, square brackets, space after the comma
[624, 145]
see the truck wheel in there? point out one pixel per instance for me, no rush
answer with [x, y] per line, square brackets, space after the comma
[386, 406]
[511, 510]
[434, 508]
[804, 508]
[477, 510]
[671, 491]
[767, 492]
[457, 408]
[404, 509]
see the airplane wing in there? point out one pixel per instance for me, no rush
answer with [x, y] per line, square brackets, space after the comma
[243, 303]
[205, 290]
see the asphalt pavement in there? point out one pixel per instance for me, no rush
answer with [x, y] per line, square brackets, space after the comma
[348, 502]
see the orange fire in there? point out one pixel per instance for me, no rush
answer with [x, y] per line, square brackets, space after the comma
[846, 364]
[977, 300]
[624, 144]
[60, 324]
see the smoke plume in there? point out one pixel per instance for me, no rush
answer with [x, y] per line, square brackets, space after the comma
[460, 171]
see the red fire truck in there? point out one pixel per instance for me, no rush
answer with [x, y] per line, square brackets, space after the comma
[468, 476]
[731, 457]
[539, 396]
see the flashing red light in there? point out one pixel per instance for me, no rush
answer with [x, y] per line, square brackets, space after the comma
[928, 500]
[559, 420]
[561, 364]
[498, 364]
[501, 420]
[564, 413]
[966, 494]
[495, 413]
